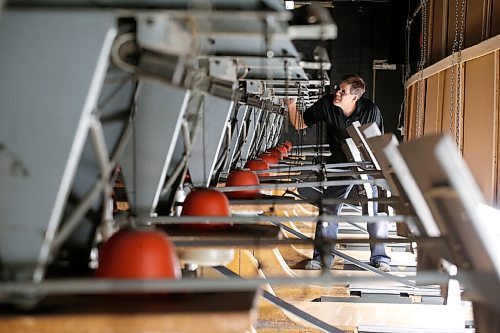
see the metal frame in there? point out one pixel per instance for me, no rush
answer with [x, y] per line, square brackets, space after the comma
[209, 138]
[238, 135]
[254, 119]
[158, 122]
[451, 195]
[29, 217]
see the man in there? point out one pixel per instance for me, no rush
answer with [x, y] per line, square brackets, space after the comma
[339, 111]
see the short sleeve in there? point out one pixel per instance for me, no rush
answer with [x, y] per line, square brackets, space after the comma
[316, 112]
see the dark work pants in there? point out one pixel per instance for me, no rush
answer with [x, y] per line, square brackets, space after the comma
[329, 230]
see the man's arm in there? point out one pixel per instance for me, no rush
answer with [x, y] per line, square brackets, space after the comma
[294, 115]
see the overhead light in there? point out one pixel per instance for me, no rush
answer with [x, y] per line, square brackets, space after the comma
[289, 5]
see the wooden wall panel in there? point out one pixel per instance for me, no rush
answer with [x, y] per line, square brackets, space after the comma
[412, 106]
[480, 93]
[451, 26]
[496, 72]
[415, 110]
[494, 18]
[433, 106]
[475, 22]
[437, 38]
[445, 106]
[422, 88]
[479, 150]
[407, 104]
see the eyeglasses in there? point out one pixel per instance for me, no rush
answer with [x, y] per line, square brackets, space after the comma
[337, 89]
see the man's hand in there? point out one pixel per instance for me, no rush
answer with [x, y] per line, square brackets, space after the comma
[294, 117]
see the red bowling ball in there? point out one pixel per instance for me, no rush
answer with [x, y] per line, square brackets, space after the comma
[283, 150]
[269, 158]
[138, 254]
[206, 202]
[242, 178]
[276, 152]
[257, 164]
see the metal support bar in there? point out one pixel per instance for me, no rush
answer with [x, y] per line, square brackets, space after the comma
[257, 219]
[378, 182]
[316, 167]
[242, 243]
[11, 290]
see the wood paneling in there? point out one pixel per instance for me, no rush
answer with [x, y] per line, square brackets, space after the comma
[438, 28]
[496, 72]
[494, 18]
[433, 106]
[408, 124]
[479, 149]
[447, 100]
[475, 22]
[412, 105]
[411, 114]
[480, 86]
[420, 100]
[451, 26]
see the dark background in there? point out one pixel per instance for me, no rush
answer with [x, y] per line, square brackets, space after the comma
[367, 31]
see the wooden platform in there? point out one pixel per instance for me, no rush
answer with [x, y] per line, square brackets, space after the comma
[416, 316]
[196, 312]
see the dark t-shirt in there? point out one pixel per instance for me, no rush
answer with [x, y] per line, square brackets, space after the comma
[336, 122]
